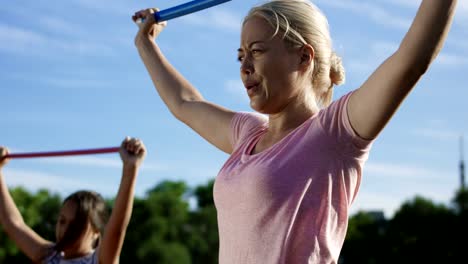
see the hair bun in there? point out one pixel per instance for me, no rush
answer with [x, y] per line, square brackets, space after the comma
[337, 71]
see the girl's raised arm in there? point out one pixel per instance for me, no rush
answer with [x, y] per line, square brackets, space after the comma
[132, 152]
[26, 239]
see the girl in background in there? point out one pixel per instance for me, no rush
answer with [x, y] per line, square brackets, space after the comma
[84, 233]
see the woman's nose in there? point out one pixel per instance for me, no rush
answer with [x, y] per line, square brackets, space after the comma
[247, 66]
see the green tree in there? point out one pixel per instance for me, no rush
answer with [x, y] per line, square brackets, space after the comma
[158, 228]
[460, 230]
[422, 232]
[460, 201]
[364, 239]
[204, 242]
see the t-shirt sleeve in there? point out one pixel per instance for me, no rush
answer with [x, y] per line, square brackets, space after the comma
[51, 257]
[335, 121]
[95, 257]
[243, 124]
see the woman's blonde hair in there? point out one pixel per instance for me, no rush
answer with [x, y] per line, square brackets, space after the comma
[300, 22]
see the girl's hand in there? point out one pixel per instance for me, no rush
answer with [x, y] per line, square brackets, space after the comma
[3, 154]
[149, 29]
[132, 151]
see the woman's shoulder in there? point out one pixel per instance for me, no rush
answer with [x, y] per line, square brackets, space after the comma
[247, 121]
[244, 124]
[250, 117]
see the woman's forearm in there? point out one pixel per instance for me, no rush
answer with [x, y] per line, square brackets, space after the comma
[428, 32]
[172, 87]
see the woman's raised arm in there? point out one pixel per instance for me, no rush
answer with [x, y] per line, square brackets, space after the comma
[185, 102]
[373, 104]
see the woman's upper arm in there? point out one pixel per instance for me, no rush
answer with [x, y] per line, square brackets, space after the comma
[372, 105]
[210, 121]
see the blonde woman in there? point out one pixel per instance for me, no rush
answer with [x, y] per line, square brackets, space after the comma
[283, 196]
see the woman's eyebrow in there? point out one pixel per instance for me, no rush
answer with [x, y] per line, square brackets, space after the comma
[251, 44]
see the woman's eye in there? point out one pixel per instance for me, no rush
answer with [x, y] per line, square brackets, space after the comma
[256, 51]
[240, 59]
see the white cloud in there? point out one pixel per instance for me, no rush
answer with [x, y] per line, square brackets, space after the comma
[437, 134]
[38, 180]
[75, 83]
[103, 163]
[18, 39]
[217, 18]
[446, 59]
[109, 6]
[374, 12]
[27, 42]
[59, 25]
[66, 183]
[386, 186]
[399, 171]
[384, 49]
[86, 161]
[370, 201]
[405, 3]
[369, 61]
[237, 89]
[461, 16]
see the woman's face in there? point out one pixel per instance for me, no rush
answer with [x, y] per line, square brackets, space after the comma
[269, 69]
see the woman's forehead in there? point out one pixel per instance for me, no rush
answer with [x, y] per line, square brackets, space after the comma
[254, 29]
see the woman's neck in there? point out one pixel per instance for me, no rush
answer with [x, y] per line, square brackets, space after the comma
[290, 117]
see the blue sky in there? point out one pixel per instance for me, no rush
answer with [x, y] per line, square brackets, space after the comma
[71, 78]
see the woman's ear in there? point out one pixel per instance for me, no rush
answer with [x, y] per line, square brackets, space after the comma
[307, 54]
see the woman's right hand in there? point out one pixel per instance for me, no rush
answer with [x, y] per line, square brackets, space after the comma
[3, 154]
[149, 29]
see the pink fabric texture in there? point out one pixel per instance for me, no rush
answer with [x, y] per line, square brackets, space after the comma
[289, 203]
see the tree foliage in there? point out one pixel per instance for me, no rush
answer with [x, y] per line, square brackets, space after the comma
[176, 224]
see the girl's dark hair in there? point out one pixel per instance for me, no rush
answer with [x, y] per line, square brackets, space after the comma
[89, 206]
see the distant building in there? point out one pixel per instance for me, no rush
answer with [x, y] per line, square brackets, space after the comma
[462, 165]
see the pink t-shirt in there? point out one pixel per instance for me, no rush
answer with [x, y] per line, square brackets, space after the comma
[289, 204]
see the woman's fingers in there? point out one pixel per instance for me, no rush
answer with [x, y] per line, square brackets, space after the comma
[147, 24]
[144, 15]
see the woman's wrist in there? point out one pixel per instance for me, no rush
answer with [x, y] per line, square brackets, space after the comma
[142, 42]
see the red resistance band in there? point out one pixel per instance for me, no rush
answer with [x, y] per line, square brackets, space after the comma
[63, 153]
